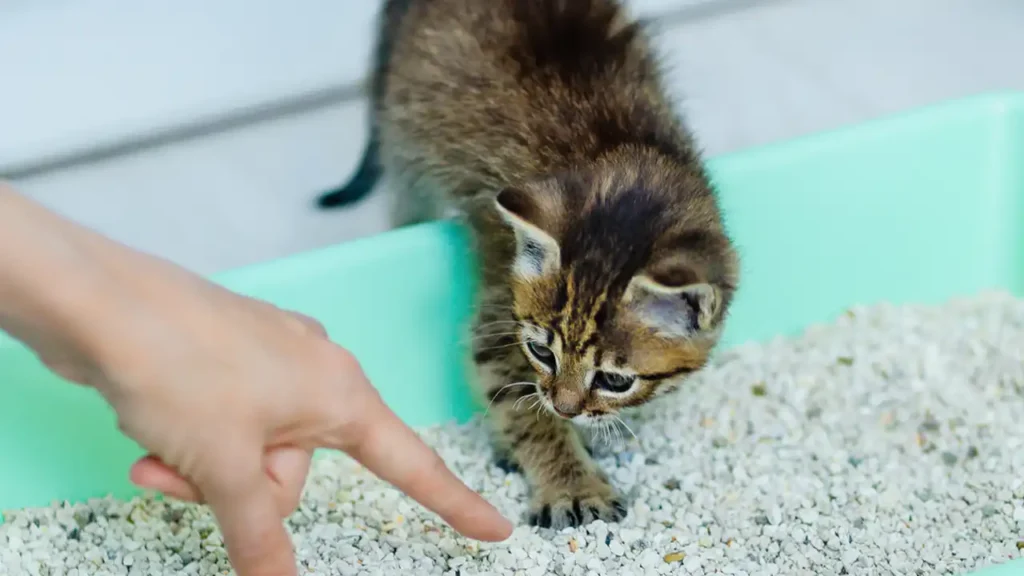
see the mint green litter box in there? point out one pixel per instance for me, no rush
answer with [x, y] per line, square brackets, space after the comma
[918, 207]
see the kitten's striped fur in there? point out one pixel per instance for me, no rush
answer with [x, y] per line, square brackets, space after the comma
[602, 250]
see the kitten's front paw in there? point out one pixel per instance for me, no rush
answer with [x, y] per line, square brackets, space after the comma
[507, 465]
[591, 499]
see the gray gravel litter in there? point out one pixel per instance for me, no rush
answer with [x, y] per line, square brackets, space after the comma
[888, 442]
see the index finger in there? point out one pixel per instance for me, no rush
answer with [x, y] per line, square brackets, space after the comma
[392, 451]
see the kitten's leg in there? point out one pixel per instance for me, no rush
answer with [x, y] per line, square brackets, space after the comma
[569, 489]
[506, 462]
[498, 388]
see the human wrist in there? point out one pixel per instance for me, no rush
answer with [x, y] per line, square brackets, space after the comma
[53, 284]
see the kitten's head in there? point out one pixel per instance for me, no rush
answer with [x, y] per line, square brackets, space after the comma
[620, 285]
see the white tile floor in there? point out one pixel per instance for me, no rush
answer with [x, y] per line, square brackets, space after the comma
[748, 78]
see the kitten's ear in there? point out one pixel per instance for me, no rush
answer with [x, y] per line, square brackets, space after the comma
[674, 302]
[537, 251]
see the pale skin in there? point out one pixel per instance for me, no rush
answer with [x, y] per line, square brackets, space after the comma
[228, 394]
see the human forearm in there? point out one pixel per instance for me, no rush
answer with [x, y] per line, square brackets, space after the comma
[52, 275]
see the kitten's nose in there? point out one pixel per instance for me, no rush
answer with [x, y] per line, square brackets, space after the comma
[566, 414]
[567, 403]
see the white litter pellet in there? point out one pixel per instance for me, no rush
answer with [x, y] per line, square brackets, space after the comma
[887, 442]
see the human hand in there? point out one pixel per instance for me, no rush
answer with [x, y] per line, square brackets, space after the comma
[286, 467]
[229, 394]
[324, 401]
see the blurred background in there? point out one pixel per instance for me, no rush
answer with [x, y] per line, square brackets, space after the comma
[202, 130]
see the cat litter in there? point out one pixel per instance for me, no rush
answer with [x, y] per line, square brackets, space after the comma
[888, 442]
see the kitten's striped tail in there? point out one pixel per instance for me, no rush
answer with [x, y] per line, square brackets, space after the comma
[361, 183]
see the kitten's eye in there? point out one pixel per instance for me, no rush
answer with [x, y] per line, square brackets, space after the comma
[542, 353]
[617, 383]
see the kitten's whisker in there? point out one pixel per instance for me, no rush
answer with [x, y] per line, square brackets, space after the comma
[476, 337]
[495, 306]
[605, 437]
[538, 404]
[500, 310]
[502, 389]
[499, 346]
[521, 401]
[495, 323]
[626, 426]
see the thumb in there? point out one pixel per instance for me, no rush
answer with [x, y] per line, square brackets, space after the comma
[244, 505]
[287, 468]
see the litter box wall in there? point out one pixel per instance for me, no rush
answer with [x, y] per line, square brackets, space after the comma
[918, 207]
[1014, 158]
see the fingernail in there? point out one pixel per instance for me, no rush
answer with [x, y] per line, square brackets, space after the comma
[498, 527]
[506, 530]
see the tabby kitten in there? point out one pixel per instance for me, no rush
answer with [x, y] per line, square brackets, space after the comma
[606, 270]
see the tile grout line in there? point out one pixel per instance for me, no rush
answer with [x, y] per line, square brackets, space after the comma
[309, 102]
[278, 109]
[711, 9]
